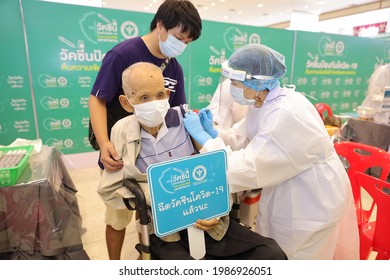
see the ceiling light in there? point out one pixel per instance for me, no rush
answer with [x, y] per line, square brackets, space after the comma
[260, 5]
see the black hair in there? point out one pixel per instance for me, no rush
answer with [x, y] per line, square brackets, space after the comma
[173, 13]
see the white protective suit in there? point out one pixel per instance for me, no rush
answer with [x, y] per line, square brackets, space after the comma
[306, 203]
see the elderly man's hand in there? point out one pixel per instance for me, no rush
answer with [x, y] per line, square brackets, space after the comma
[206, 224]
[109, 157]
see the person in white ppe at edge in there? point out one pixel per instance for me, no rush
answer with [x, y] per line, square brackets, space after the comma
[283, 147]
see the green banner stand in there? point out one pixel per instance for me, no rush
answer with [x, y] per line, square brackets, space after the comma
[50, 64]
[335, 69]
[16, 107]
[65, 58]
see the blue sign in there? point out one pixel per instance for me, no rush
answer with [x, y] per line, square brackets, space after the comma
[185, 190]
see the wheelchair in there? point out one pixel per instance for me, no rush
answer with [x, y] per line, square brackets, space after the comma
[138, 204]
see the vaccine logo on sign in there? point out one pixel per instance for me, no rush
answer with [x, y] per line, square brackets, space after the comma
[199, 173]
[173, 179]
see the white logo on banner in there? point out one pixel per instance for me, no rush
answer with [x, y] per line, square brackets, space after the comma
[60, 143]
[129, 29]
[235, 38]
[98, 28]
[203, 81]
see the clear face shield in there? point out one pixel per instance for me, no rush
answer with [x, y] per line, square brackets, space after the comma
[230, 75]
[227, 111]
[240, 75]
[221, 102]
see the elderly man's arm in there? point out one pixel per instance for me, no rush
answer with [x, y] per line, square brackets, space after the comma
[215, 227]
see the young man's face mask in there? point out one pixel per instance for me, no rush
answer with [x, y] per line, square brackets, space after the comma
[172, 47]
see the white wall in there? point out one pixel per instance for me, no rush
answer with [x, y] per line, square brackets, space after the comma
[344, 25]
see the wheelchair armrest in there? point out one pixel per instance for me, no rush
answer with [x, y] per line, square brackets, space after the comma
[140, 200]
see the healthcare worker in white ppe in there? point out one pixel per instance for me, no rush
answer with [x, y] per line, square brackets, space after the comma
[283, 147]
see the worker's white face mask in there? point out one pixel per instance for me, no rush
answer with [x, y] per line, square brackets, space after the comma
[238, 96]
[151, 113]
[172, 47]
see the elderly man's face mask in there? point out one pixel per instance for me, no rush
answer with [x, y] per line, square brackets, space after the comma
[152, 113]
[150, 104]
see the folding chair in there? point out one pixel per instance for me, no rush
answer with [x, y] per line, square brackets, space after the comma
[359, 157]
[323, 107]
[375, 230]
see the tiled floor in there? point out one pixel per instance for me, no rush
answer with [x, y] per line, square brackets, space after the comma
[92, 211]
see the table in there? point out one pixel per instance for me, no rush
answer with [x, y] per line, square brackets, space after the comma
[367, 132]
[39, 216]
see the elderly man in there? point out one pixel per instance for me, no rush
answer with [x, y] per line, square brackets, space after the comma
[155, 133]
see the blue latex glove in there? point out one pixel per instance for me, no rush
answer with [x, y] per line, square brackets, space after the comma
[206, 119]
[194, 127]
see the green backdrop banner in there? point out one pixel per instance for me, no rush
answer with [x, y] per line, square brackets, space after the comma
[16, 108]
[336, 69]
[66, 45]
